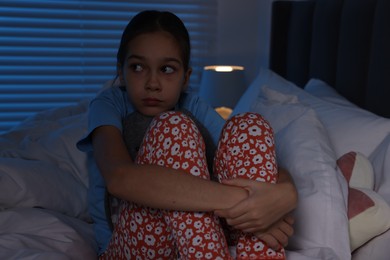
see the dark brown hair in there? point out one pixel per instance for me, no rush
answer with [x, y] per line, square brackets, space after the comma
[153, 21]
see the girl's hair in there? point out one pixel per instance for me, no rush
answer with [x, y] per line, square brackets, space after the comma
[153, 21]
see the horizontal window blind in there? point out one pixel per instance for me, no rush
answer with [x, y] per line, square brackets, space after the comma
[56, 53]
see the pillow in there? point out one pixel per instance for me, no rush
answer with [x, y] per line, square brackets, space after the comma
[33, 183]
[280, 104]
[380, 160]
[377, 248]
[368, 213]
[249, 98]
[350, 128]
[51, 136]
[357, 170]
[325, 92]
[40, 165]
[303, 148]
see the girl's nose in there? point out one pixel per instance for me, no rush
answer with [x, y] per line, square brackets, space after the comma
[153, 83]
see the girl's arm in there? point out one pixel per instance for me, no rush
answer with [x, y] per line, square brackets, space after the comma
[266, 203]
[278, 233]
[266, 211]
[156, 186]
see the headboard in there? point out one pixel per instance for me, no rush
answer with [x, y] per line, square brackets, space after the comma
[345, 43]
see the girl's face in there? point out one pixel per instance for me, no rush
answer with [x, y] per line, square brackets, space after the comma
[153, 73]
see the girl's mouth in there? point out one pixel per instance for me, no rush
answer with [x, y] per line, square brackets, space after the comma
[151, 101]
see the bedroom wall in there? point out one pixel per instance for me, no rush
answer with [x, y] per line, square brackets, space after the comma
[243, 34]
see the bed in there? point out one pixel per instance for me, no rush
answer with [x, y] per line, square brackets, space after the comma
[325, 94]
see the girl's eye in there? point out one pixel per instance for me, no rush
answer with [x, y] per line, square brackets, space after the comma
[167, 69]
[136, 67]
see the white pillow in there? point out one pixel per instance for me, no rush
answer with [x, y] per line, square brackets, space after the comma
[321, 90]
[350, 128]
[40, 165]
[303, 148]
[270, 98]
[33, 183]
[249, 98]
[51, 136]
[380, 160]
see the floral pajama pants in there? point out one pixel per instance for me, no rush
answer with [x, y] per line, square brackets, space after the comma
[245, 150]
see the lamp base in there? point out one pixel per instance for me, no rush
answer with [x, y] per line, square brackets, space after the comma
[224, 112]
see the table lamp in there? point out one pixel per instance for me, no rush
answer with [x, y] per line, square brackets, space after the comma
[222, 87]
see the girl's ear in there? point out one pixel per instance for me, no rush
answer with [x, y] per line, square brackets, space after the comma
[186, 82]
[120, 73]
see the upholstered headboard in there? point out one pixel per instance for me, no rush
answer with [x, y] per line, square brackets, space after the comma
[343, 42]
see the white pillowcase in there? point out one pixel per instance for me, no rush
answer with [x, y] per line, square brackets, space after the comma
[269, 98]
[350, 128]
[249, 98]
[321, 90]
[34, 183]
[380, 160]
[41, 165]
[303, 149]
[51, 136]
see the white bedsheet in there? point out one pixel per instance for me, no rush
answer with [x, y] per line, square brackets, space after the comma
[33, 233]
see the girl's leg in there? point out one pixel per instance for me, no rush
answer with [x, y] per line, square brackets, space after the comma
[174, 141]
[246, 150]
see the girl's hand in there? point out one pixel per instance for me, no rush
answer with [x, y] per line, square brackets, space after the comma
[265, 204]
[277, 235]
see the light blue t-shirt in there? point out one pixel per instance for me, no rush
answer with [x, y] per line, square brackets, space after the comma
[109, 108]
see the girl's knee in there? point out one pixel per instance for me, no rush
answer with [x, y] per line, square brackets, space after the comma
[174, 140]
[245, 126]
[246, 149]
[250, 118]
[174, 121]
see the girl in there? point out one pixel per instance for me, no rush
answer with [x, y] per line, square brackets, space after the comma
[169, 206]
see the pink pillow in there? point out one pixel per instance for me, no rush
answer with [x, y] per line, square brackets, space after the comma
[368, 213]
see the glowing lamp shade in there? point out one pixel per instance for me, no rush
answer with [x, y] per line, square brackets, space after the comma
[222, 85]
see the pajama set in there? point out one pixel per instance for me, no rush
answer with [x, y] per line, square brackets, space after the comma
[177, 139]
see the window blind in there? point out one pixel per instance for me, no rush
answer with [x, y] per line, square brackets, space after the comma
[55, 53]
